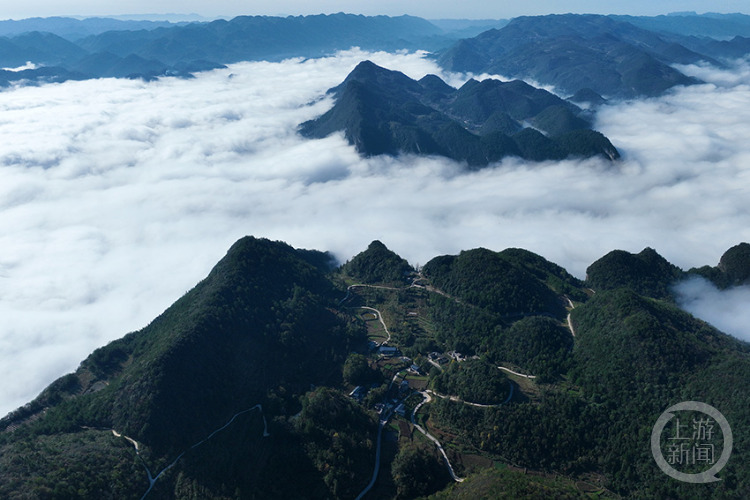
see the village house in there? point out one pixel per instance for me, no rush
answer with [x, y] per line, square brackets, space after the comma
[388, 351]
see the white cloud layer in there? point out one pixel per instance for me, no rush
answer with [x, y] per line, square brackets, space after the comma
[117, 196]
[727, 310]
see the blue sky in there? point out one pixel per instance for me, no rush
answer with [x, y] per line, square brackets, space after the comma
[432, 9]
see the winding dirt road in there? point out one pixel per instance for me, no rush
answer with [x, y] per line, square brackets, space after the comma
[478, 405]
[432, 438]
[516, 373]
[380, 317]
[383, 422]
[570, 323]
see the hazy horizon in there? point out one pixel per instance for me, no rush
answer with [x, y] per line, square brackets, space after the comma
[441, 9]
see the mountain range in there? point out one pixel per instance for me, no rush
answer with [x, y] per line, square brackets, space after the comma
[614, 56]
[385, 112]
[185, 48]
[689, 24]
[239, 389]
[145, 49]
[73, 29]
[575, 52]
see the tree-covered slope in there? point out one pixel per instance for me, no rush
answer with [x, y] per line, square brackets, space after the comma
[633, 357]
[623, 336]
[538, 344]
[637, 356]
[646, 273]
[595, 371]
[487, 280]
[485, 303]
[385, 112]
[733, 268]
[506, 484]
[378, 264]
[474, 381]
[260, 324]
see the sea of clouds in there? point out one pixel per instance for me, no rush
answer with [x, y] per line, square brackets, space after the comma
[118, 196]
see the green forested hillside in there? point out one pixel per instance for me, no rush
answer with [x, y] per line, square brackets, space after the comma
[539, 344]
[378, 264]
[259, 329]
[484, 279]
[474, 381]
[504, 484]
[245, 387]
[636, 356]
[646, 273]
[633, 357]
[733, 268]
[486, 293]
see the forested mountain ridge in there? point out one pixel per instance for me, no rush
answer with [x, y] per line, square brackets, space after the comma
[73, 29]
[651, 275]
[733, 268]
[260, 324]
[575, 52]
[385, 112]
[378, 264]
[690, 26]
[646, 273]
[239, 389]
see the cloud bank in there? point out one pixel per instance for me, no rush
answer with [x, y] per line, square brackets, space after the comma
[727, 310]
[117, 196]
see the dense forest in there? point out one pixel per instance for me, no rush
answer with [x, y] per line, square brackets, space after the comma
[261, 328]
[378, 264]
[474, 381]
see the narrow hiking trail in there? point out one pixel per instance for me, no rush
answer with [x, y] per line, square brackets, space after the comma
[152, 479]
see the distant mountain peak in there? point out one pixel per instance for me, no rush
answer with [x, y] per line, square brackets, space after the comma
[573, 52]
[382, 111]
[377, 78]
[733, 268]
[646, 273]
